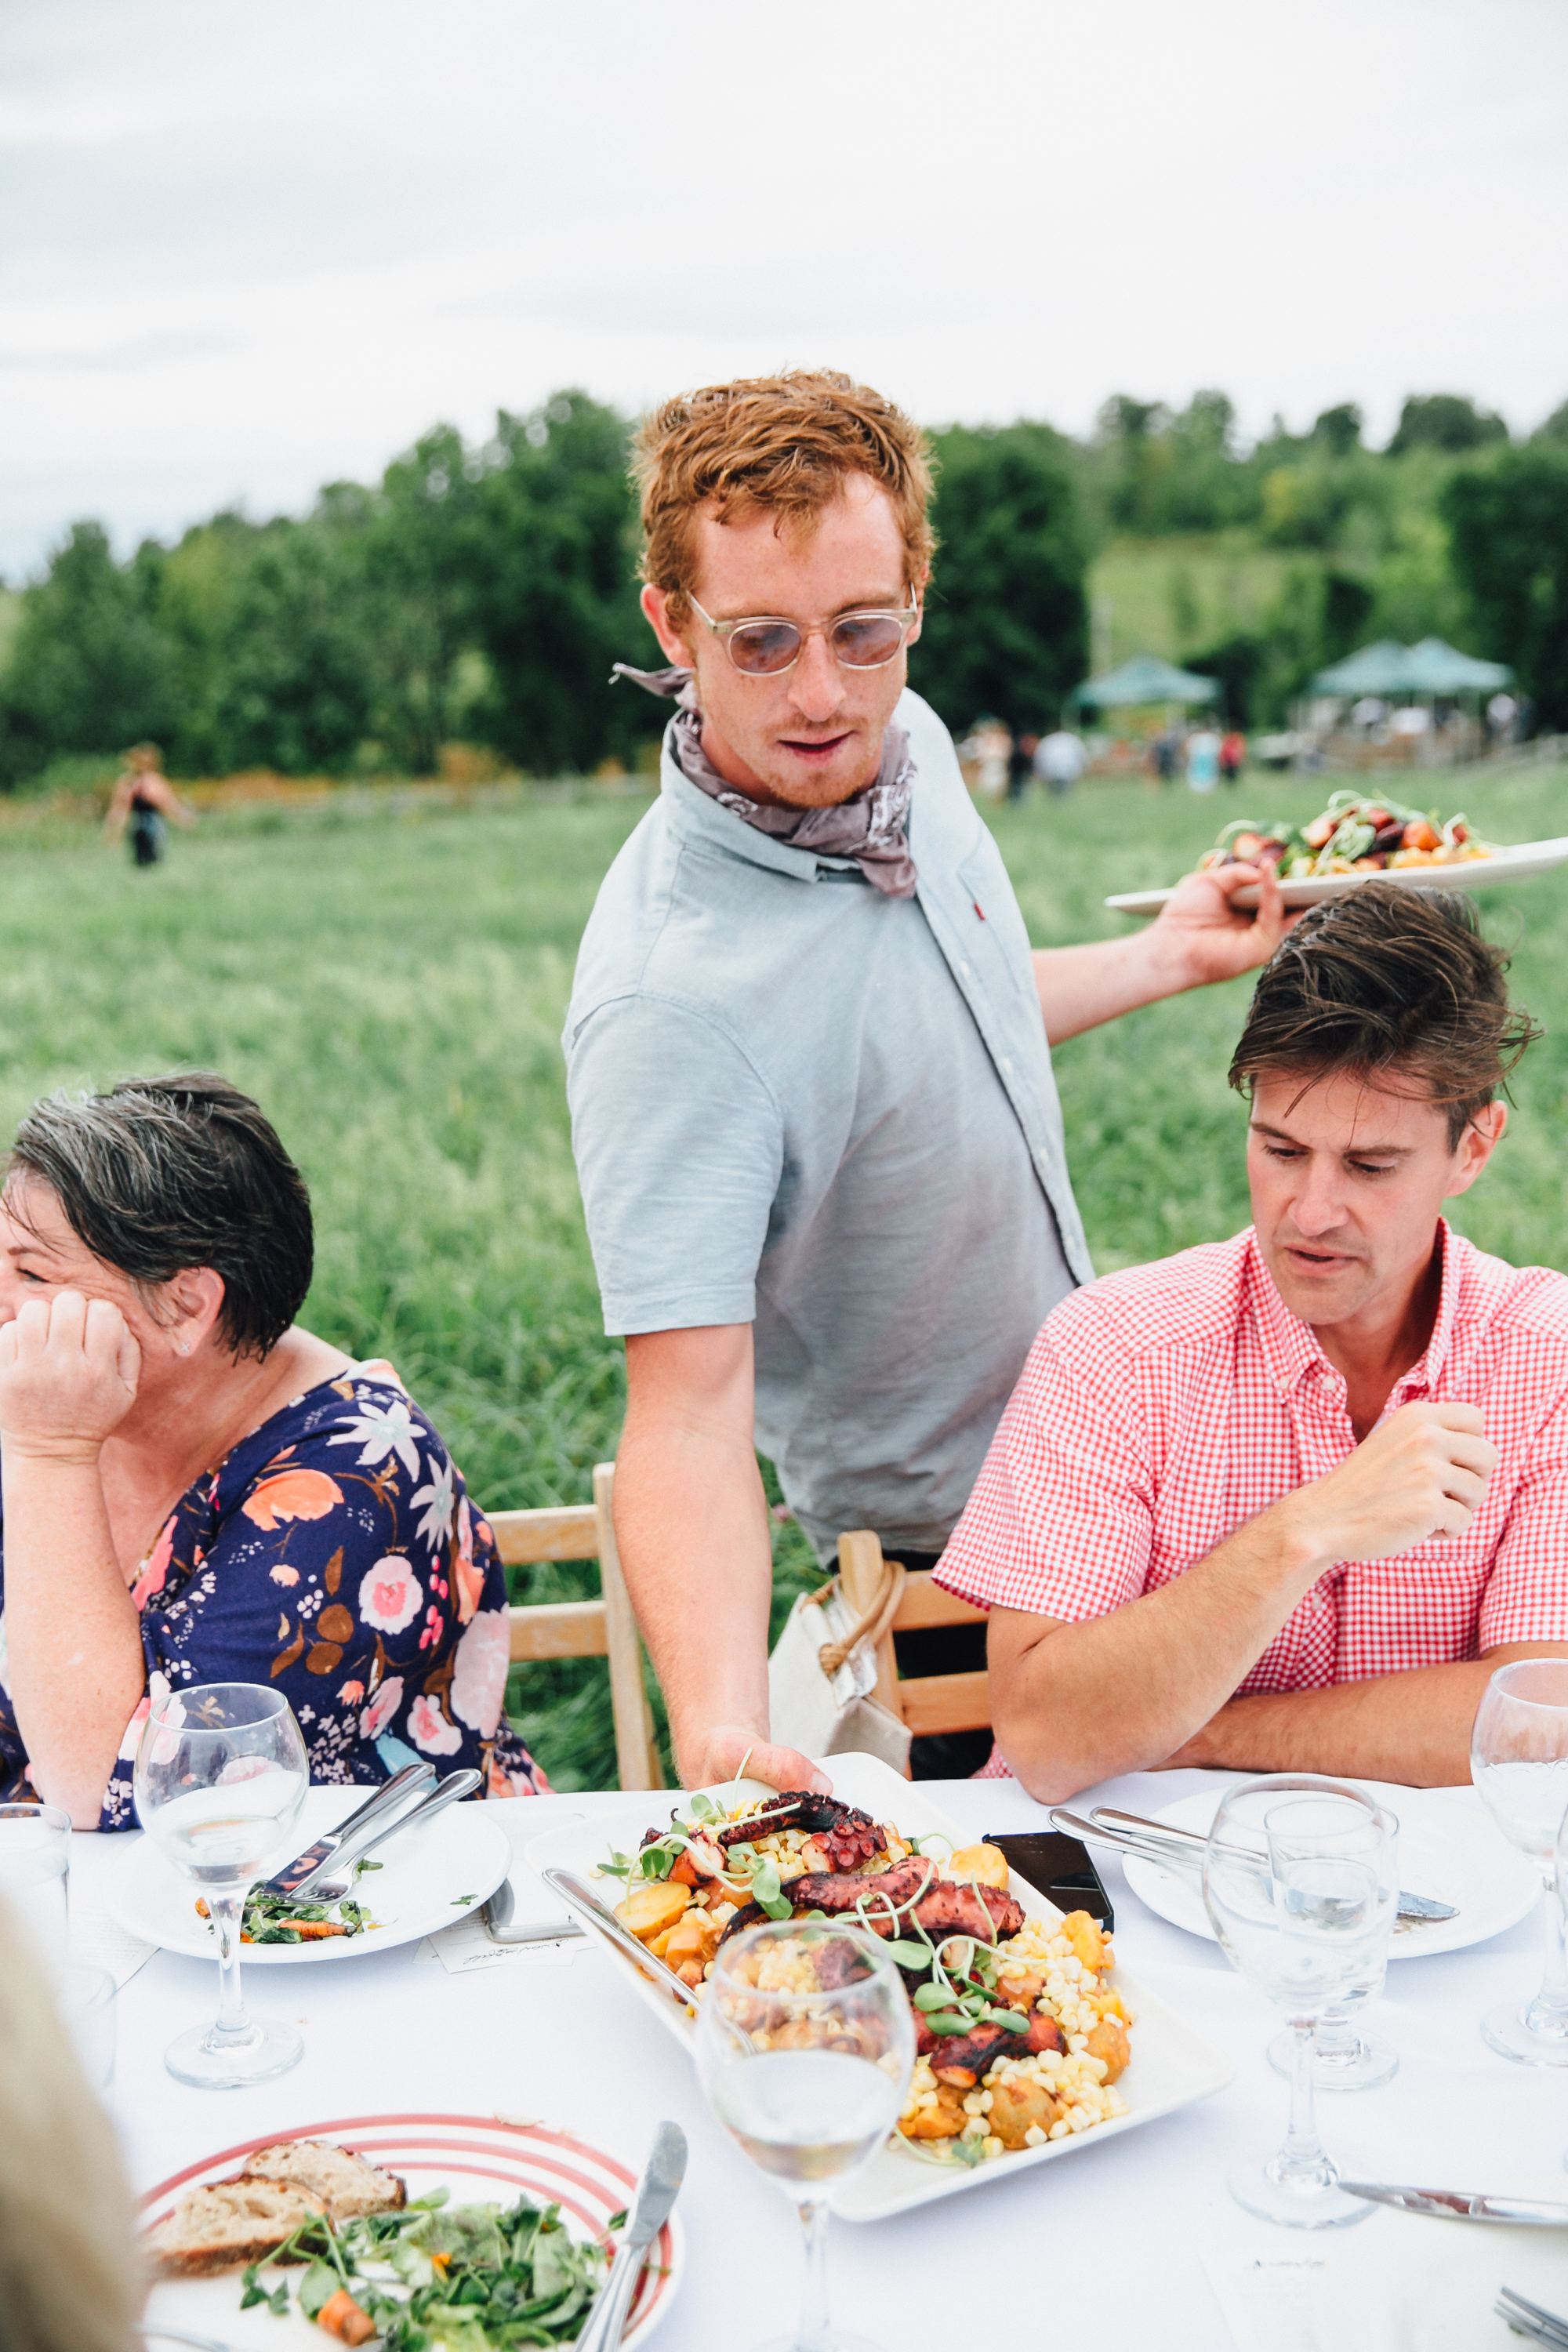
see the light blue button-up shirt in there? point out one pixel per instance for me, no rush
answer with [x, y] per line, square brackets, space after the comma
[802, 1104]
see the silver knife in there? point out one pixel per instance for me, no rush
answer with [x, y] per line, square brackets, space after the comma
[293, 1875]
[1465, 2204]
[604, 1919]
[1180, 1846]
[657, 2192]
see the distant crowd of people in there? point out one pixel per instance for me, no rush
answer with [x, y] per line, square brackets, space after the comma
[1003, 765]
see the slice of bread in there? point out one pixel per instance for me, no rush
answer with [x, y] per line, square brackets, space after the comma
[344, 2182]
[233, 2221]
[246, 2218]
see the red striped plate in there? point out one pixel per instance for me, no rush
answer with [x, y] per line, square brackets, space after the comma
[481, 2161]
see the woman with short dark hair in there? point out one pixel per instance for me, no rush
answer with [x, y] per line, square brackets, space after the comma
[197, 1490]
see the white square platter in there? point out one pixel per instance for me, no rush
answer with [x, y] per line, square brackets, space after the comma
[1172, 2065]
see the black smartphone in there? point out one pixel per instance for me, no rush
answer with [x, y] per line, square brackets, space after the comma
[1062, 1869]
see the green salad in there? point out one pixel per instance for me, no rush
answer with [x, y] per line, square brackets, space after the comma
[435, 2277]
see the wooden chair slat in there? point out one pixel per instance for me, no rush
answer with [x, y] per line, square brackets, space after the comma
[938, 1703]
[604, 1628]
[925, 1603]
[559, 1629]
[523, 1537]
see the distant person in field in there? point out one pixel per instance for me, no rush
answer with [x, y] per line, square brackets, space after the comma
[1203, 759]
[1059, 761]
[1231, 755]
[1021, 765]
[145, 799]
[1283, 1503]
[199, 1490]
[819, 1144]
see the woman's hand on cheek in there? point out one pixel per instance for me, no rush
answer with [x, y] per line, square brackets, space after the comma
[69, 1374]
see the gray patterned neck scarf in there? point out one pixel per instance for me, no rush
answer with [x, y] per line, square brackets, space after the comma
[871, 827]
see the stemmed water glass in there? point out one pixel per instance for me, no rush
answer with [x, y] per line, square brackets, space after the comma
[1519, 1761]
[805, 2048]
[1301, 1883]
[221, 1775]
[1343, 2059]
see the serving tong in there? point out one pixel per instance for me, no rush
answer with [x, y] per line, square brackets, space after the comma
[1171, 1848]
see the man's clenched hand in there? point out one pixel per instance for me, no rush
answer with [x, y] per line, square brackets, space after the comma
[1421, 1476]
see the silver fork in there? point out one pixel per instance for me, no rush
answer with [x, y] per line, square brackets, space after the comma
[1527, 2318]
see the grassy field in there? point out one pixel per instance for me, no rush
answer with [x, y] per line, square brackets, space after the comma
[392, 989]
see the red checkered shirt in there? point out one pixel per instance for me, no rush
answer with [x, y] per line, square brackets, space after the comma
[1161, 1409]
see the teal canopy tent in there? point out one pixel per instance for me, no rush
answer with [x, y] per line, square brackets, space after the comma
[1144, 680]
[1429, 668]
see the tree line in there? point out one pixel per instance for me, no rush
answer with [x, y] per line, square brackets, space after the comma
[480, 592]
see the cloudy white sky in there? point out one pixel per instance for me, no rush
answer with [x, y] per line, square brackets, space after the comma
[250, 246]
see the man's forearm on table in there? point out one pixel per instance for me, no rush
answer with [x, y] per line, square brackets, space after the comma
[1413, 1727]
[1119, 1692]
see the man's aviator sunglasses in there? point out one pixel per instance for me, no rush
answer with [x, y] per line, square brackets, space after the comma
[763, 647]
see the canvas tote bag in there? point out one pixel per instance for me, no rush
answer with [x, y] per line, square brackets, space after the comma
[823, 1674]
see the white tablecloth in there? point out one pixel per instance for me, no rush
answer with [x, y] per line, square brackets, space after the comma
[1107, 2248]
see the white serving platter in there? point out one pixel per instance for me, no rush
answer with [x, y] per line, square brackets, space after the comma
[1449, 1848]
[1172, 2065]
[478, 2159]
[1514, 864]
[430, 1878]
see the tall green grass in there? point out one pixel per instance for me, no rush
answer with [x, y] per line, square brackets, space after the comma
[392, 989]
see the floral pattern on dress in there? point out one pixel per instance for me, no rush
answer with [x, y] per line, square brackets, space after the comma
[335, 1553]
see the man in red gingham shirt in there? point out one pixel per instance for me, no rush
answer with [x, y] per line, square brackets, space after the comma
[1285, 1503]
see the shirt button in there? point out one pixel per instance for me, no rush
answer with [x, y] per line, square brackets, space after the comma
[1006, 1066]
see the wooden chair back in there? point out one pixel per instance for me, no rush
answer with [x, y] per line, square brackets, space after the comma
[604, 1628]
[931, 1703]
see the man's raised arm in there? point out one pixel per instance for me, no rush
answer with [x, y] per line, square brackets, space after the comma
[1199, 936]
[691, 1522]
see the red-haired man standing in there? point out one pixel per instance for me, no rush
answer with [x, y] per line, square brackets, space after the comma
[819, 1143]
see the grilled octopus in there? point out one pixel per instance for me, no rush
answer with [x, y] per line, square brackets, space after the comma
[847, 1836]
[962, 2058]
[943, 1910]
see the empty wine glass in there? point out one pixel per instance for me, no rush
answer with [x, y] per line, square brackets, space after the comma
[804, 2047]
[1519, 1761]
[1302, 1889]
[221, 1776]
[1343, 2058]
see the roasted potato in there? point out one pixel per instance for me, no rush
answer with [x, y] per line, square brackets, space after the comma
[1085, 1939]
[1109, 2040]
[694, 1937]
[1016, 2105]
[987, 1864]
[652, 1906]
[944, 2121]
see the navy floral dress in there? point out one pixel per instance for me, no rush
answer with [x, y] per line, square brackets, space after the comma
[334, 1553]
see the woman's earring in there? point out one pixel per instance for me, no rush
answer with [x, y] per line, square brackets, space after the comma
[182, 1348]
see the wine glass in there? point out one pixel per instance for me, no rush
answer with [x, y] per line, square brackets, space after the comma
[1342, 2058]
[1301, 1887]
[805, 2048]
[1519, 1761]
[221, 1775]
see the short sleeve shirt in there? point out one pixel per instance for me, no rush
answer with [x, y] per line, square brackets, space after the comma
[333, 1554]
[1162, 1408]
[802, 1104]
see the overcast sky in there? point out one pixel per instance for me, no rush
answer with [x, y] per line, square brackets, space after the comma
[251, 245]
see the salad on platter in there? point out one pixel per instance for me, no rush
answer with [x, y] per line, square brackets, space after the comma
[1019, 2032]
[1357, 832]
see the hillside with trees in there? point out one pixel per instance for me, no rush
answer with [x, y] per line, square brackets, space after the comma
[479, 593]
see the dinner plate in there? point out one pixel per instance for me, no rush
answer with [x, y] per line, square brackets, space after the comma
[1473, 874]
[1172, 2063]
[479, 2158]
[1449, 1848]
[429, 1877]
